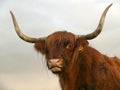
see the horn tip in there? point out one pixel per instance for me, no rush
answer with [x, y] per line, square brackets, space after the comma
[110, 4]
[11, 12]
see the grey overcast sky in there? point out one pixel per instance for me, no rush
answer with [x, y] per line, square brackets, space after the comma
[21, 68]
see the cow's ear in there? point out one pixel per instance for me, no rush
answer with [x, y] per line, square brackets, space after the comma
[40, 46]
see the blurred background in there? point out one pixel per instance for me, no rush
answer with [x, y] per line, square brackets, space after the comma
[21, 67]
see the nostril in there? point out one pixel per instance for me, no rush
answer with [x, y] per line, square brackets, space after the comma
[57, 60]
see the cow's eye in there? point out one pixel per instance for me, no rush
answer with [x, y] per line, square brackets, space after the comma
[69, 46]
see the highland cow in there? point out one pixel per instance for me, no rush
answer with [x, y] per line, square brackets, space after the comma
[78, 66]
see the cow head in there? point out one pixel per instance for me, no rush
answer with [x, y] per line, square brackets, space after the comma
[58, 49]
[60, 46]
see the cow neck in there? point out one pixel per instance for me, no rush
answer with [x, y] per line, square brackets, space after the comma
[84, 63]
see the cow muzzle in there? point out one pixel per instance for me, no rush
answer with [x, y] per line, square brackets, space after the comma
[55, 65]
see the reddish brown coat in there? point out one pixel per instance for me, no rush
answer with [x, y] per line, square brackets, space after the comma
[84, 67]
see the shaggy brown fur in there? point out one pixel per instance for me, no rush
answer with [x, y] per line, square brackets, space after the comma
[84, 68]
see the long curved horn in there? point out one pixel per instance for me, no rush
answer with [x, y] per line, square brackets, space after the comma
[21, 35]
[99, 28]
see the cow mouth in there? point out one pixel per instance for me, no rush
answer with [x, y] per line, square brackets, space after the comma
[56, 69]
